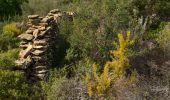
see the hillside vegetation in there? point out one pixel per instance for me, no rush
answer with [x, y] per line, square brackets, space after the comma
[112, 50]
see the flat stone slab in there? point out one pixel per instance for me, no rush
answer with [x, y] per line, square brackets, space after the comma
[26, 37]
[25, 53]
[41, 28]
[46, 31]
[29, 31]
[23, 46]
[23, 42]
[38, 47]
[37, 58]
[43, 24]
[38, 52]
[40, 76]
[40, 42]
[33, 16]
[42, 71]
[40, 67]
[55, 11]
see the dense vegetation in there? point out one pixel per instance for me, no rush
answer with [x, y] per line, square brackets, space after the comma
[113, 49]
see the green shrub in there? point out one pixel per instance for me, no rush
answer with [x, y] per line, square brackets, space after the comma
[40, 7]
[93, 27]
[13, 86]
[65, 89]
[153, 33]
[10, 86]
[10, 8]
[8, 41]
[61, 88]
[7, 59]
[164, 39]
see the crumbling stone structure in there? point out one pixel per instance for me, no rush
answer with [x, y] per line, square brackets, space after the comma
[38, 44]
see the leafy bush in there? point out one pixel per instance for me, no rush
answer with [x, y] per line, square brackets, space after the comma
[164, 38]
[8, 41]
[88, 39]
[93, 28]
[13, 85]
[40, 7]
[10, 8]
[10, 86]
[64, 89]
[153, 31]
[7, 59]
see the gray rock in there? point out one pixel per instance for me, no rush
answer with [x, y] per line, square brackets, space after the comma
[40, 67]
[41, 28]
[55, 11]
[41, 71]
[23, 46]
[40, 18]
[33, 16]
[45, 20]
[40, 42]
[19, 62]
[51, 17]
[25, 53]
[35, 21]
[45, 32]
[31, 28]
[37, 58]
[43, 24]
[26, 37]
[35, 33]
[29, 32]
[38, 52]
[23, 42]
[40, 76]
[50, 14]
[38, 47]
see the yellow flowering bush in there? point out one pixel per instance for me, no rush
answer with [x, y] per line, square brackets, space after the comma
[12, 27]
[120, 60]
[97, 83]
[113, 70]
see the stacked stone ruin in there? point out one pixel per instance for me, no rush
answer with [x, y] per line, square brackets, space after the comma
[38, 44]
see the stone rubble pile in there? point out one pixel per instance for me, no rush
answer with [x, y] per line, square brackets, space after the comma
[38, 44]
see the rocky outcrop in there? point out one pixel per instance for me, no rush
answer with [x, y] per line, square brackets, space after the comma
[38, 44]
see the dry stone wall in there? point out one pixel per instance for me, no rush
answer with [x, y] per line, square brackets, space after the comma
[38, 44]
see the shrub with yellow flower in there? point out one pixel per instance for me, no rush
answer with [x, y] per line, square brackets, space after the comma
[12, 27]
[113, 70]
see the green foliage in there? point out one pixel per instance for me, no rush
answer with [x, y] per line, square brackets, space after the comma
[87, 39]
[7, 59]
[92, 29]
[9, 8]
[42, 7]
[154, 32]
[147, 8]
[7, 41]
[64, 89]
[13, 85]
[10, 86]
[94, 26]
[164, 39]
[146, 16]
